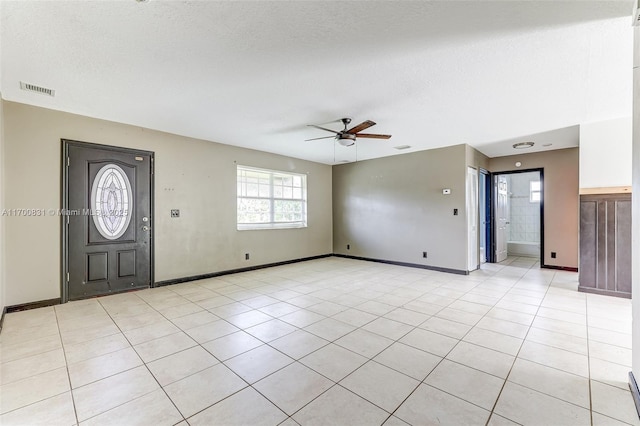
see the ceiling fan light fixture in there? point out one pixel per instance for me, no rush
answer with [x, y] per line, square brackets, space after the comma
[523, 145]
[346, 139]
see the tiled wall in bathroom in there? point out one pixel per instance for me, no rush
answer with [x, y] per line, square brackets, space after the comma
[525, 215]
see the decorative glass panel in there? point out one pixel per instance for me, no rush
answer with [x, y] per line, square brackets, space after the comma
[111, 201]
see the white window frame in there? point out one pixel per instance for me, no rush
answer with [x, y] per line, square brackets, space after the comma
[535, 194]
[272, 223]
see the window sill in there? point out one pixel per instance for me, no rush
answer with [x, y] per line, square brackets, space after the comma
[262, 226]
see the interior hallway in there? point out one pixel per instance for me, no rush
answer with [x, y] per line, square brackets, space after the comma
[327, 341]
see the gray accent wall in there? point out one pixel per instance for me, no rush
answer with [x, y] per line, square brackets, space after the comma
[198, 177]
[393, 208]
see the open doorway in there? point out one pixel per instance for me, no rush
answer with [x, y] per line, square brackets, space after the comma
[519, 214]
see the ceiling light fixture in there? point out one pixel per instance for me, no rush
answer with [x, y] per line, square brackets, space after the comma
[523, 145]
[346, 139]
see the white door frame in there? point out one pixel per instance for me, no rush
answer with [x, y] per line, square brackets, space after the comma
[472, 219]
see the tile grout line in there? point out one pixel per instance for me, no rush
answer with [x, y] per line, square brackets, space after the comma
[248, 385]
[66, 364]
[586, 311]
[143, 363]
[506, 379]
[398, 341]
[422, 382]
[333, 342]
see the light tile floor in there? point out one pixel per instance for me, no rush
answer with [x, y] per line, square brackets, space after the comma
[330, 341]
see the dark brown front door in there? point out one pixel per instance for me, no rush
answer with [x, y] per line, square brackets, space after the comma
[107, 219]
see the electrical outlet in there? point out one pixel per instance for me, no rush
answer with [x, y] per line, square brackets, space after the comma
[175, 213]
[246, 256]
[348, 246]
[424, 254]
[553, 254]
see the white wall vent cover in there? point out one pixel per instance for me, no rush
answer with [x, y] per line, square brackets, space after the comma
[37, 89]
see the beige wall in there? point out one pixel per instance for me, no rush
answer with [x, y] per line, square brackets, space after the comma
[195, 176]
[561, 199]
[393, 209]
[2, 230]
[476, 159]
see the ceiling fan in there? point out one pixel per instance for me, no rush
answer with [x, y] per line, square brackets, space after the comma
[348, 137]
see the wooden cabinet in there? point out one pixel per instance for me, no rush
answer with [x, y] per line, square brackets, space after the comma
[605, 244]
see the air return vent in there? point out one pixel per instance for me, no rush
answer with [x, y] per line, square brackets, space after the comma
[38, 89]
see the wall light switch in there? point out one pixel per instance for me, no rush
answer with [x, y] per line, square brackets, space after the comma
[446, 191]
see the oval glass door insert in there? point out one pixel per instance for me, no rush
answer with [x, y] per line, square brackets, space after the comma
[111, 200]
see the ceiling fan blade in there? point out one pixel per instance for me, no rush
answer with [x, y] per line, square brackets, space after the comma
[372, 136]
[324, 137]
[322, 128]
[361, 126]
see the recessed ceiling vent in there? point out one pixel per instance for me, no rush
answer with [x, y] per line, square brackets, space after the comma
[401, 147]
[38, 89]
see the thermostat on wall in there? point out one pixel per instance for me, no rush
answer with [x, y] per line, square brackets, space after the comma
[446, 192]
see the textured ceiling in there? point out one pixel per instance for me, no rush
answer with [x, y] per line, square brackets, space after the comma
[253, 74]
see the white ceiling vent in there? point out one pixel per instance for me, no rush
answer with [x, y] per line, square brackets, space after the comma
[38, 89]
[401, 147]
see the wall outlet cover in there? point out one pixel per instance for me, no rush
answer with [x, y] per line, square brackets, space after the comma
[175, 213]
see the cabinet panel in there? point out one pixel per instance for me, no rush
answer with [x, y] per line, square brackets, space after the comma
[605, 244]
[588, 239]
[623, 246]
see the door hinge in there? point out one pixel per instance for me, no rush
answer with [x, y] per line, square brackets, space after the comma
[152, 165]
[68, 161]
[67, 277]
